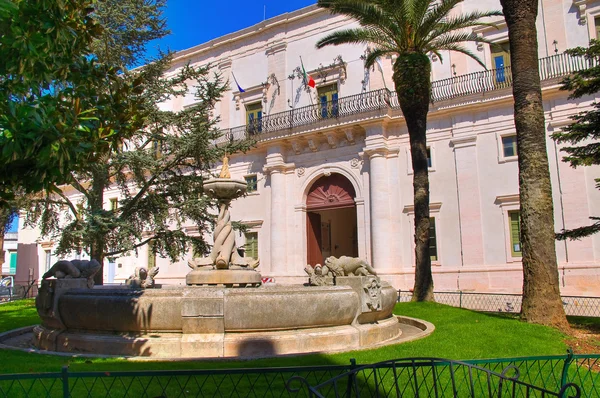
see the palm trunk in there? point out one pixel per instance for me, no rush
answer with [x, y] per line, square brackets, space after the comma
[541, 294]
[412, 78]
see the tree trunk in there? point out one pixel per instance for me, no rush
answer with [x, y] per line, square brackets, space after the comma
[412, 78]
[541, 293]
[96, 206]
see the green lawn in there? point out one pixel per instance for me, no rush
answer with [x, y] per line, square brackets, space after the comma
[459, 334]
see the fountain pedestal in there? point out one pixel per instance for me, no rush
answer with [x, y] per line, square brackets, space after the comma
[224, 266]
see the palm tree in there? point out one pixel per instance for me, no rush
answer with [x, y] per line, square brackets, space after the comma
[541, 292]
[411, 29]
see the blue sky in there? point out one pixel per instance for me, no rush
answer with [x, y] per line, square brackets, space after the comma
[195, 22]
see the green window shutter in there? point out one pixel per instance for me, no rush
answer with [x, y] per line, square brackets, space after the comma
[432, 240]
[251, 245]
[252, 183]
[515, 233]
[13, 263]
[151, 255]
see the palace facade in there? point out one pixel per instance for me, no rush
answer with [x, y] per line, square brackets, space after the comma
[331, 172]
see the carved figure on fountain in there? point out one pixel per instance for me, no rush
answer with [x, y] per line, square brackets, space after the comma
[72, 269]
[142, 278]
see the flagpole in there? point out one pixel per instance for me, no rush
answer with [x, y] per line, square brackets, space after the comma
[305, 82]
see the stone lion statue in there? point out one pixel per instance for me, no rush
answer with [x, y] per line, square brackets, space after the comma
[65, 269]
[347, 266]
[142, 278]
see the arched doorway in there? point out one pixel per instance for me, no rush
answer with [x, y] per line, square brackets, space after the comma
[331, 219]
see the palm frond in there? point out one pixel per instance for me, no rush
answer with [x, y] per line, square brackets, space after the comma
[462, 22]
[377, 53]
[461, 49]
[434, 16]
[355, 36]
[366, 12]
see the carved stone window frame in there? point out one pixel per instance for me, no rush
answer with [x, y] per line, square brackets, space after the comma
[434, 212]
[508, 203]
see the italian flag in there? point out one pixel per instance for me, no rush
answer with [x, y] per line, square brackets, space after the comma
[308, 80]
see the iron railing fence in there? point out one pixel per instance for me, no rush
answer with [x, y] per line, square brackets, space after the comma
[513, 377]
[505, 302]
[551, 67]
[429, 377]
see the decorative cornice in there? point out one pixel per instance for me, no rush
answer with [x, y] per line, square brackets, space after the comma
[275, 48]
[463, 142]
[433, 208]
[278, 168]
[581, 5]
[224, 64]
[507, 200]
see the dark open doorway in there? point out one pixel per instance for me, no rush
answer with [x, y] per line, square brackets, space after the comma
[331, 219]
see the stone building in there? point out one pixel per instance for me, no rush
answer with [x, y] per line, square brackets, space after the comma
[331, 172]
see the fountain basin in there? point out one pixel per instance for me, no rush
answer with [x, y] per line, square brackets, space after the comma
[211, 321]
[225, 188]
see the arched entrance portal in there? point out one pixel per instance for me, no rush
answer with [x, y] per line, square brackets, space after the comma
[331, 219]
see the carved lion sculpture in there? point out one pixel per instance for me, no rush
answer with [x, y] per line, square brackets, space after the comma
[348, 266]
[64, 269]
[143, 278]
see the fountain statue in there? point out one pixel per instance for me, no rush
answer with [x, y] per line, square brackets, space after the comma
[217, 267]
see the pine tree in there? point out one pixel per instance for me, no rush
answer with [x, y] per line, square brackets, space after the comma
[156, 159]
[584, 134]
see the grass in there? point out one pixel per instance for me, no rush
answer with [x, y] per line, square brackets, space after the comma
[459, 334]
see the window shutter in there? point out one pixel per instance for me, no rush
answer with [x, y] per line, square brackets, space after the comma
[515, 233]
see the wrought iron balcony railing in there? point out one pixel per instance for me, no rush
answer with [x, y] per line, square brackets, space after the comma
[552, 67]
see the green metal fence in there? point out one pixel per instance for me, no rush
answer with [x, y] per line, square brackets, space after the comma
[429, 377]
[537, 376]
[506, 302]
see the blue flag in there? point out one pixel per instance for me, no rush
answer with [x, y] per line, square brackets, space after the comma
[241, 90]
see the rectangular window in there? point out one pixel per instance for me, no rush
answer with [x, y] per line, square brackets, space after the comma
[433, 253]
[252, 183]
[597, 26]
[151, 255]
[514, 218]
[114, 204]
[157, 149]
[429, 163]
[509, 146]
[13, 262]
[48, 259]
[501, 61]
[328, 98]
[254, 118]
[251, 246]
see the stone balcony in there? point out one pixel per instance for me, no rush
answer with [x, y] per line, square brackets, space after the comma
[376, 103]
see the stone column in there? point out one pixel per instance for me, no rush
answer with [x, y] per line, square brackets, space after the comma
[276, 168]
[469, 200]
[380, 208]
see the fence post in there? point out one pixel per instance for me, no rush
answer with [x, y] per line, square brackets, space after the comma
[65, 381]
[351, 377]
[565, 370]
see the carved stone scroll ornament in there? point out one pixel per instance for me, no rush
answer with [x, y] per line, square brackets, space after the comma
[372, 294]
[67, 269]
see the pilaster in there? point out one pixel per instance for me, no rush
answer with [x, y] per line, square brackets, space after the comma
[469, 200]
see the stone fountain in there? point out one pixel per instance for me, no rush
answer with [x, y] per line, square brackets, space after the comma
[223, 311]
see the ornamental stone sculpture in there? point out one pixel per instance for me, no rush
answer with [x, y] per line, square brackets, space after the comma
[65, 269]
[348, 266]
[335, 267]
[142, 278]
